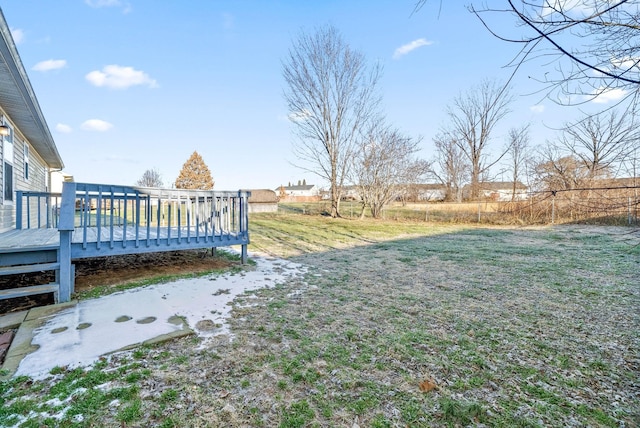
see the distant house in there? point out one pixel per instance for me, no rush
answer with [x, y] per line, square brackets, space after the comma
[430, 192]
[350, 193]
[28, 154]
[409, 192]
[263, 201]
[57, 179]
[498, 191]
[300, 192]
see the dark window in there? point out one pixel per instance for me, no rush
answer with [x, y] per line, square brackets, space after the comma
[8, 181]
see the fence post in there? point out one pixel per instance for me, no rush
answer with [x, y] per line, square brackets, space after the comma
[629, 211]
[479, 208]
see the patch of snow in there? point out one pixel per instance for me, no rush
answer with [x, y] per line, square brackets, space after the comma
[135, 316]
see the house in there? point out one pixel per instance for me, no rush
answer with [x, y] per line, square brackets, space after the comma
[302, 192]
[57, 179]
[263, 201]
[429, 192]
[499, 191]
[350, 193]
[28, 154]
[415, 192]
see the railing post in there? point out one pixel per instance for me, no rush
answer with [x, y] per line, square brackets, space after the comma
[66, 227]
[244, 222]
[19, 209]
[47, 206]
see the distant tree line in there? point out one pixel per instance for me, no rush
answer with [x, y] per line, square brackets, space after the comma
[194, 175]
[343, 137]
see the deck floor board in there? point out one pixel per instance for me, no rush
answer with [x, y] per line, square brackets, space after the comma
[22, 239]
[42, 239]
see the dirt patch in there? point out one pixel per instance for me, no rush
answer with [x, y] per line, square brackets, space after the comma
[111, 271]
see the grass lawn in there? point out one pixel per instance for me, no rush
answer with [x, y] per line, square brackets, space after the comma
[395, 324]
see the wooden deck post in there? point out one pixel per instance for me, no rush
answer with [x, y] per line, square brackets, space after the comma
[243, 206]
[66, 227]
[64, 258]
[244, 255]
[18, 209]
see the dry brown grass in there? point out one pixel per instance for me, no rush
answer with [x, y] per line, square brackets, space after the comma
[452, 326]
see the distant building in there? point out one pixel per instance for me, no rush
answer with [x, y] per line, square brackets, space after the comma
[263, 201]
[350, 193]
[300, 193]
[499, 191]
[430, 192]
[57, 178]
[409, 192]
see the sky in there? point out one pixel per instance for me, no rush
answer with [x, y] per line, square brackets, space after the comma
[127, 86]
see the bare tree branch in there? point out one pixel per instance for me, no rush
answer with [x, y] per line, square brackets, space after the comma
[473, 116]
[384, 165]
[602, 142]
[595, 45]
[331, 94]
[150, 178]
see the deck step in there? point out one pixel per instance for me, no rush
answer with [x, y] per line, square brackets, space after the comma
[29, 291]
[37, 267]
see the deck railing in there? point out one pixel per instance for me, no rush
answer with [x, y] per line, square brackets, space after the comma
[37, 210]
[119, 216]
[95, 220]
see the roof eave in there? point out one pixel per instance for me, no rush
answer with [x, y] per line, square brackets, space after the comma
[19, 101]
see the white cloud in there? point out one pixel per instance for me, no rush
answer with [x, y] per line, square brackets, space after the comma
[299, 116]
[96, 125]
[18, 35]
[102, 3]
[65, 129]
[626, 63]
[604, 96]
[118, 77]
[573, 8]
[405, 49]
[538, 108]
[126, 7]
[50, 64]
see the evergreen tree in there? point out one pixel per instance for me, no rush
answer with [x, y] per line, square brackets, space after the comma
[195, 174]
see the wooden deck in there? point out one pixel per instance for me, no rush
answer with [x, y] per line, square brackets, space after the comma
[98, 220]
[21, 240]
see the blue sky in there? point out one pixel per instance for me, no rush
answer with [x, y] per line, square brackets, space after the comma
[127, 86]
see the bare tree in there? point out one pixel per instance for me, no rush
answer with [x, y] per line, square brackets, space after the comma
[556, 171]
[603, 141]
[384, 164]
[195, 174]
[594, 45]
[330, 93]
[452, 169]
[150, 178]
[473, 116]
[518, 155]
